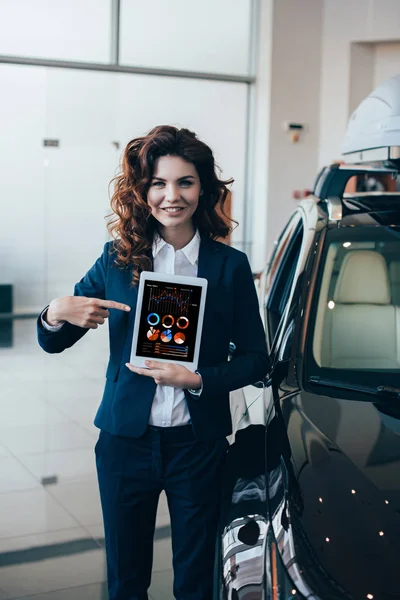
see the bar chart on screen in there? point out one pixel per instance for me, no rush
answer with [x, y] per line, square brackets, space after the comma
[167, 351]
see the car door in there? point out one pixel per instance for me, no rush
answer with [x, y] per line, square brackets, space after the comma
[244, 509]
[344, 442]
[286, 300]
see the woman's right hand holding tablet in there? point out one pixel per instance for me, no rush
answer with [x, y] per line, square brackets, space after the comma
[81, 311]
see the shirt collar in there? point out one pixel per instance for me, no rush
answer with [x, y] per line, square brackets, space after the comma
[191, 250]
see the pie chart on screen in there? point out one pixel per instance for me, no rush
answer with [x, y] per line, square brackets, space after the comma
[166, 336]
[152, 334]
[179, 338]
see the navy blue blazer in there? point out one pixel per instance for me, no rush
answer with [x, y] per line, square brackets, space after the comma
[231, 313]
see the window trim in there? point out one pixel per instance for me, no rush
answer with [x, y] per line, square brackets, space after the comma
[281, 241]
[286, 292]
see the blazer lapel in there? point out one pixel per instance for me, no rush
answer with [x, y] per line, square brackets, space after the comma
[210, 266]
[211, 260]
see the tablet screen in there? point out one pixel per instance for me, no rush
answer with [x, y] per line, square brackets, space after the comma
[168, 321]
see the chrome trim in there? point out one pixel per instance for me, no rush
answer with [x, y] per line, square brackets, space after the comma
[335, 209]
[352, 195]
[367, 168]
[112, 68]
[373, 155]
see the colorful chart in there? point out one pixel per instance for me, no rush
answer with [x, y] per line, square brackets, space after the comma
[166, 336]
[168, 321]
[152, 334]
[179, 338]
[153, 319]
[182, 322]
[170, 301]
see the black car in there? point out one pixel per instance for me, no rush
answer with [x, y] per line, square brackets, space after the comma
[311, 502]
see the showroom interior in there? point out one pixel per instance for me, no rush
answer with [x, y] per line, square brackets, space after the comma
[268, 84]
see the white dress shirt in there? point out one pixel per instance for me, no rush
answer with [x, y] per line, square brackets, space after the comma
[169, 408]
[169, 405]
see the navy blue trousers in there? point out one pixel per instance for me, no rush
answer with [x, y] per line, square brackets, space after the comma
[132, 473]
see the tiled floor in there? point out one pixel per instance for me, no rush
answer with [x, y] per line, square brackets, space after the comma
[51, 536]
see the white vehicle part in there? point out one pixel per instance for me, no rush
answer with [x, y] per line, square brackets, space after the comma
[373, 131]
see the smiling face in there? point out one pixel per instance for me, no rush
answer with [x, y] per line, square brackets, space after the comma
[174, 191]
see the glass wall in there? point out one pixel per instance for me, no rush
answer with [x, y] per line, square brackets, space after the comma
[77, 30]
[212, 36]
[204, 36]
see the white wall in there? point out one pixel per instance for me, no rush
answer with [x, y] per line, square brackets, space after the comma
[387, 61]
[346, 22]
[260, 132]
[295, 97]
[371, 63]
[293, 76]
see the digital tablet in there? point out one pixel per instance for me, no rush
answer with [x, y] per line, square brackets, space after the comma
[169, 319]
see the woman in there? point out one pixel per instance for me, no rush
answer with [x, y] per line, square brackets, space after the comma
[164, 428]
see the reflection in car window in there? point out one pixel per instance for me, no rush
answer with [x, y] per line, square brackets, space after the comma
[283, 280]
[280, 248]
[357, 321]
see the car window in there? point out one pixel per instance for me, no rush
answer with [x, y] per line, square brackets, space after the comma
[279, 249]
[356, 316]
[282, 279]
[268, 274]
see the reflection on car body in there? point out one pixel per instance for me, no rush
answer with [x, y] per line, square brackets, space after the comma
[311, 502]
[243, 517]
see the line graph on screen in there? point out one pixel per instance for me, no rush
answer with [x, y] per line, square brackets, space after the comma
[170, 301]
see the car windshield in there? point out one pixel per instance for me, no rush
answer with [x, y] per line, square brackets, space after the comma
[356, 323]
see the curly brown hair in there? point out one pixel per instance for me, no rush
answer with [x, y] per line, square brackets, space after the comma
[132, 225]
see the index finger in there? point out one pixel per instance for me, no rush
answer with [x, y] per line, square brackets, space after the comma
[112, 304]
